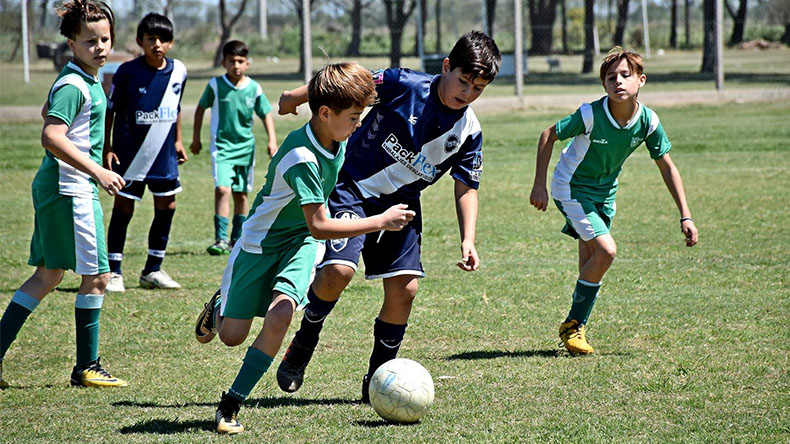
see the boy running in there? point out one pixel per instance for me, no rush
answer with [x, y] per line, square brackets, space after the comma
[232, 99]
[271, 265]
[69, 231]
[604, 133]
[420, 128]
[146, 149]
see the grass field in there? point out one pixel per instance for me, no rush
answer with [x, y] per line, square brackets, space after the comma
[690, 343]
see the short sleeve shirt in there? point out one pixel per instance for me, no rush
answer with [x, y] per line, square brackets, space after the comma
[232, 111]
[590, 163]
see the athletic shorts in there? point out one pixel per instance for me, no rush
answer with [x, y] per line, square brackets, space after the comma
[250, 279]
[237, 177]
[386, 253]
[136, 188]
[585, 218]
[68, 234]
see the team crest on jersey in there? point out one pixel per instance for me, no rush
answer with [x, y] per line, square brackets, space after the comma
[451, 143]
[378, 76]
[176, 88]
[339, 244]
[635, 141]
[250, 101]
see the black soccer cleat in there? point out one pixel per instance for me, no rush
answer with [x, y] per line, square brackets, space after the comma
[366, 390]
[290, 373]
[226, 419]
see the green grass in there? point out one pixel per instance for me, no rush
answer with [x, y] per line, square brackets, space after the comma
[690, 343]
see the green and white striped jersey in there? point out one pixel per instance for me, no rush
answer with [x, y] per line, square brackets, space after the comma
[590, 163]
[302, 172]
[77, 99]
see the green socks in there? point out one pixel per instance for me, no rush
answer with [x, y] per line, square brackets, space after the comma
[235, 232]
[255, 365]
[583, 301]
[220, 227]
[15, 315]
[87, 308]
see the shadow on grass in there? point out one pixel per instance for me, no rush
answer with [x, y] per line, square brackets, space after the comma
[266, 403]
[493, 354]
[381, 423]
[168, 426]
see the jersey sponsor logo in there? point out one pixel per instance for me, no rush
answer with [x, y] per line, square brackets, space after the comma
[600, 141]
[339, 244]
[635, 141]
[142, 90]
[451, 143]
[477, 167]
[412, 119]
[161, 115]
[378, 77]
[417, 163]
[176, 88]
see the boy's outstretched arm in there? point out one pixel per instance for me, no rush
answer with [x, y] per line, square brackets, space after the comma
[674, 183]
[268, 123]
[539, 197]
[109, 158]
[181, 153]
[54, 140]
[196, 146]
[290, 100]
[466, 211]
[322, 226]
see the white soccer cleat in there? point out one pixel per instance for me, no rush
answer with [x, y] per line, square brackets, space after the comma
[116, 283]
[158, 279]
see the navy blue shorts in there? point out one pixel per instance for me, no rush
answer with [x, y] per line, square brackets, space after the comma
[136, 188]
[386, 253]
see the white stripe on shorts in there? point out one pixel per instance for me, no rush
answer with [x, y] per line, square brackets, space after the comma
[85, 242]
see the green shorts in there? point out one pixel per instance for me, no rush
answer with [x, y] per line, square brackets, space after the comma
[250, 279]
[586, 219]
[68, 234]
[237, 177]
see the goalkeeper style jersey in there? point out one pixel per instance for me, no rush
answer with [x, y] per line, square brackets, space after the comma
[232, 109]
[302, 172]
[590, 163]
[77, 99]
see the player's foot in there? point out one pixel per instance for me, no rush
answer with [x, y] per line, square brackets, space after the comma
[93, 375]
[158, 279]
[290, 373]
[573, 337]
[3, 384]
[227, 417]
[205, 330]
[219, 247]
[116, 283]
[366, 389]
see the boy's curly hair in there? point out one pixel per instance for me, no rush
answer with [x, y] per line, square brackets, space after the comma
[77, 13]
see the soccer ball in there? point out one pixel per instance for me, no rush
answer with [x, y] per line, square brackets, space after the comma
[401, 390]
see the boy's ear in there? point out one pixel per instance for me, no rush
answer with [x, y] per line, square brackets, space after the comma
[323, 113]
[445, 65]
[139, 42]
[70, 44]
[642, 79]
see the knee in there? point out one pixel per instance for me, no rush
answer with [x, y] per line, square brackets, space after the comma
[231, 338]
[407, 293]
[335, 277]
[279, 317]
[49, 278]
[607, 253]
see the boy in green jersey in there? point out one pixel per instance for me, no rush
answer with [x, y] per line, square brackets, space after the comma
[272, 263]
[232, 99]
[584, 183]
[69, 231]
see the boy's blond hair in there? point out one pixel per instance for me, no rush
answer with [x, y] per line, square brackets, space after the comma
[633, 59]
[341, 86]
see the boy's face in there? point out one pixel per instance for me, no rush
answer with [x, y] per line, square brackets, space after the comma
[621, 84]
[457, 89]
[236, 66]
[92, 45]
[342, 124]
[154, 48]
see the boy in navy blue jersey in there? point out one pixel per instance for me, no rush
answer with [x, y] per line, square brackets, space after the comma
[420, 128]
[145, 107]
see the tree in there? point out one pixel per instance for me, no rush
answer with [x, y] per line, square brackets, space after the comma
[42, 18]
[297, 7]
[564, 15]
[673, 27]
[396, 21]
[490, 16]
[709, 30]
[687, 20]
[589, 44]
[779, 13]
[226, 27]
[738, 22]
[423, 19]
[356, 27]
[438, 9]
[542, 14]
[622, 19]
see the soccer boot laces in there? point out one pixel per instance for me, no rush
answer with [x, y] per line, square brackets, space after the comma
[94, 375]
[205, 330]
[574, 338]
[158, 279]
[290, 373]
[227, 416]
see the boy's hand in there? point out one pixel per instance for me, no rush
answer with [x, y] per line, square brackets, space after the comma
[195, 147]
[470, 261]
[271, 148]
[181, 153]
[287, 105]
[109, 181]
[397, 217]
[539, 198]
[110, 159]
[688, 228]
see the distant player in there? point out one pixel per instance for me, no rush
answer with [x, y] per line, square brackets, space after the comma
[68, 231]
[271, 265]
[420, 128]
[232, 98]
[604, 133]
[146, 149]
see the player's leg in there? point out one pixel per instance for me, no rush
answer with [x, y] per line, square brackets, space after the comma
[221, 212]
[240, 209]
[153, 276]
[122, 212]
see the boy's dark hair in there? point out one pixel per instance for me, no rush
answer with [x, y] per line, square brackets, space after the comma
[77, 13]
[341, 86]
[155, 24]
[476, 54]
[633, 59]
[235, 48]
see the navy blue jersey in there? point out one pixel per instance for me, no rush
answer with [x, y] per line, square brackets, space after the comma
[409, 139]
[146, 102]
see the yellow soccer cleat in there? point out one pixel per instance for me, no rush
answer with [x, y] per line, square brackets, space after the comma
[574, 339]
[93, 375]
[204, 327]
[227, 417]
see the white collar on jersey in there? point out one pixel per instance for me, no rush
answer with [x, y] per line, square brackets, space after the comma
[316, 144]
[630, 123]
[243, 84]
[76, 67]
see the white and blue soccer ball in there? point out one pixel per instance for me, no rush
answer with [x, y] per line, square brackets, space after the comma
[401, 390]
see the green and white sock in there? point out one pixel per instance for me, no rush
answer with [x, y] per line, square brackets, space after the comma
[583, 300]
[15, 315]
[87, 309]
[220, 227]
[256, 363]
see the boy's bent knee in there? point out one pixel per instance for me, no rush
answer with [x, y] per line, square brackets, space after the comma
[231, 339]
[333, 278]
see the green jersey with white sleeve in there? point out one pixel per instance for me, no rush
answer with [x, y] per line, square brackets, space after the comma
[77, 99]
[590, 163]
[232, 109]
[302, 172]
